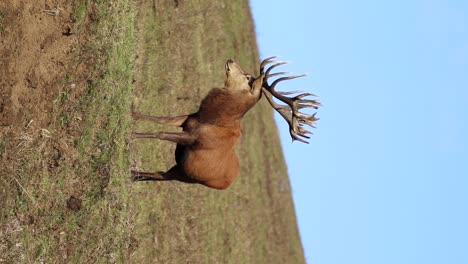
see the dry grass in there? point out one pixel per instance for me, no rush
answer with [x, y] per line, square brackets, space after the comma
[85, 152]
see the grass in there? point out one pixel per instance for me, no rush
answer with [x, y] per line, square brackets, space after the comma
[80, 9]
[184, 51]
[85, 153]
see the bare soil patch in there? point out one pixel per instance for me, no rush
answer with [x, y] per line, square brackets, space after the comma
[36, 49]
[41, 65]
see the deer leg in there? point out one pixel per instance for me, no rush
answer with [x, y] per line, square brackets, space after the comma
[177, 137]
[148, 176]
[175, 173]
[166, 120]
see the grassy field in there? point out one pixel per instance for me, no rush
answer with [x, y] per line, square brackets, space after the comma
[66, 191]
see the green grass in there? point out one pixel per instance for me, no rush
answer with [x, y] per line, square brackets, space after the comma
[80, 8]
[85, 152]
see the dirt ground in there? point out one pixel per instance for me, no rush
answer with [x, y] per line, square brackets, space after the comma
[37, 41]
[34, 53]
[41, 62]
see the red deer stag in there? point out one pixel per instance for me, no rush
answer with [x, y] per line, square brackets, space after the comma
[205, 148]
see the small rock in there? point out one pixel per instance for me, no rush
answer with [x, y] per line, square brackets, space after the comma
[74, 203]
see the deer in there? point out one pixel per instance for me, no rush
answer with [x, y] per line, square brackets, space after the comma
[205, 151]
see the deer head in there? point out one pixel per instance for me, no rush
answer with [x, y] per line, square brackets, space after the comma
[236, 78]
[290, 112]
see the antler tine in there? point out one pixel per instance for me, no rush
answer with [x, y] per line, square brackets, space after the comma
[265, 62]
[284, 79]
[291, 92]
[304, 94]
[307, 119]
[294, 137]
[278, 73]
[299, 133]
[267, 73]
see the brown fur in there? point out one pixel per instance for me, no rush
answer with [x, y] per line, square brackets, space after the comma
[205, 149]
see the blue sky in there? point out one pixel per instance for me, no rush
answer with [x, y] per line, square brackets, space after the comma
[385, 177]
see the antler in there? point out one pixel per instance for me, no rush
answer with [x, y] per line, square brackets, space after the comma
[290, 112]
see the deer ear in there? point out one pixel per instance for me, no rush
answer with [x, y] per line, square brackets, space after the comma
[226, 66]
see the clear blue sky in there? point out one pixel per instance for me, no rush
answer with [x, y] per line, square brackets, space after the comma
[385, 177]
